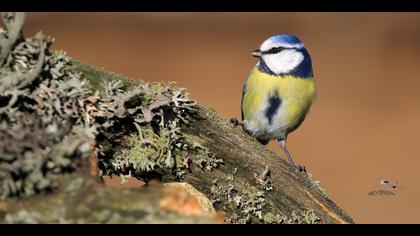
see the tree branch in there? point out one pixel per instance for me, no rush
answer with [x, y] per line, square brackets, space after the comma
[243, 187]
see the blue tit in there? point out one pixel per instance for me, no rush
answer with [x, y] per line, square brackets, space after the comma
[279, 91]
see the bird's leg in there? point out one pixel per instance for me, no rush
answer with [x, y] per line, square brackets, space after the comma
[282, 143]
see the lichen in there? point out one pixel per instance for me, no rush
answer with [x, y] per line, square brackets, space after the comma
[301, 217]
[296, 217]
[264, 179]
[145, 122]
[248, 200]
[13, 23]
[203, 157]
[251, 201]
[42, 132]
[52, 118]
[149, 152]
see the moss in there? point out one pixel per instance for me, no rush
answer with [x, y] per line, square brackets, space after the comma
[97, 77]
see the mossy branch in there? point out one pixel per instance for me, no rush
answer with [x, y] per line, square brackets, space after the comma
[62, 120]
[251, 184]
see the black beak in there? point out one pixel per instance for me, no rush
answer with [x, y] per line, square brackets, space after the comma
[256, 53]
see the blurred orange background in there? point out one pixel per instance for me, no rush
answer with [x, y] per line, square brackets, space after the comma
[364, 126]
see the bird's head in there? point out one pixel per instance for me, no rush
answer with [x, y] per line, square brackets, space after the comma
[283, 55]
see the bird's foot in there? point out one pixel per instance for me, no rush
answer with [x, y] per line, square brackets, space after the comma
[235, 122]
[301, 168]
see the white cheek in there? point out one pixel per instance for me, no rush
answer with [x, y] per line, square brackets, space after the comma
[283, 62]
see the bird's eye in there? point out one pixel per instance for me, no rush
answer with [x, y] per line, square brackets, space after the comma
[275, 50]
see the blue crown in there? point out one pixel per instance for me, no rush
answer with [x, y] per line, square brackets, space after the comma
[285, 38]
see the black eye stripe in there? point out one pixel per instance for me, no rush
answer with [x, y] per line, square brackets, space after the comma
[273, 50]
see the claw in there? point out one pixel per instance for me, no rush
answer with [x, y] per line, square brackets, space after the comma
[301, 168]
[235, 122]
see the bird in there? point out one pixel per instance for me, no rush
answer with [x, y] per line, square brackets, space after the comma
[279, 91]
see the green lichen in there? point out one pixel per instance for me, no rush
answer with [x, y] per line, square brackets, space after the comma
[52, 117]
[250, 200]
[149, 152]
[300, 217]
[151, 116]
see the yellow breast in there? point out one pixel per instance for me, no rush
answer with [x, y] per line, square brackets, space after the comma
[296, 96]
